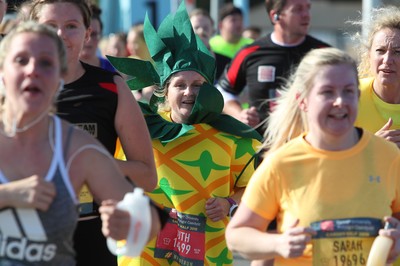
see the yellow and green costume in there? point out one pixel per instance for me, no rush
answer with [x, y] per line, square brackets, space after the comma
[205, 158]
[202, 163]
[195, 162]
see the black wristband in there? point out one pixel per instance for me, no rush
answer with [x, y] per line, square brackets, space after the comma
[162, 215]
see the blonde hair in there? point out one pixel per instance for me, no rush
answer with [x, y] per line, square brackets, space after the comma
[286, 120]
[34, 27]
[387, 17]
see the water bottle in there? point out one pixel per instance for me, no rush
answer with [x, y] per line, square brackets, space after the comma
[380, 249]
[138, 206]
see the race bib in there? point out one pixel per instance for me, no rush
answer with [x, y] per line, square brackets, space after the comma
[344, 242]
[182, 239]
[266, 74]
[86, 206]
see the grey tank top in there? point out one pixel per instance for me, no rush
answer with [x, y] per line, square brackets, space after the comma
[33, 237]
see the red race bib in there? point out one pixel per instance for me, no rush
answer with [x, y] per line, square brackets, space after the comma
[182, 239]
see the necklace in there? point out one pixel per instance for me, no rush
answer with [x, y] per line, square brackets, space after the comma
[15, 129]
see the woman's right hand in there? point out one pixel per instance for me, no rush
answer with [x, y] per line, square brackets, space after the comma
[31, 192]
[393, 233]
[115, 222]
[294, 241]
[250, 117]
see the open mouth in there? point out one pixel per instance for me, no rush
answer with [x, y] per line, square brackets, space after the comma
[387, 71]
[32, 90]
[188, 102]
[338, 116]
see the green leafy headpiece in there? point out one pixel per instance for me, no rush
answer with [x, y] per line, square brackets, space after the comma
[174, 47]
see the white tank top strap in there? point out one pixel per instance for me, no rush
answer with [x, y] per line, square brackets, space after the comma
[58, 153]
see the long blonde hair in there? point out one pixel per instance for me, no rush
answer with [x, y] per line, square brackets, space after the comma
[286, 120]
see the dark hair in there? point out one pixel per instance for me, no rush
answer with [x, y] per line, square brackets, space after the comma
[254, 28]
[229, 9]
[96, 13]
[82, 5]
[201, 12]
[276, 5]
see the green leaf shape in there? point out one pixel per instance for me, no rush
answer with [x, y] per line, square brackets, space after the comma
[213, 229]
[205, 163]
[221, 259]
[244, 146]
[166, 187]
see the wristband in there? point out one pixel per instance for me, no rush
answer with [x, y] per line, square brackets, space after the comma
[233, 207]
[231, 201]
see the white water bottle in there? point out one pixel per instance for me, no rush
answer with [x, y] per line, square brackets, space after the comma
[380, 249]
[138, 206]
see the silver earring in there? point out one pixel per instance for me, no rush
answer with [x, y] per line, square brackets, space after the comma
[60, 88]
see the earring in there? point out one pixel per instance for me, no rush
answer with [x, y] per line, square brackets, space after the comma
[60, 88]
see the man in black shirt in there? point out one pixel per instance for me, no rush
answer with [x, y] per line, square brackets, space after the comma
[264, 64]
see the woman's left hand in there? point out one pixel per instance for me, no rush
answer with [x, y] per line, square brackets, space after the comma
[393, 233]
[392, 135]
[217, 208]
[115, 222]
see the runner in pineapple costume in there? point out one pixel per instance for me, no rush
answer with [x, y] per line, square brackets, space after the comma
[204, 163]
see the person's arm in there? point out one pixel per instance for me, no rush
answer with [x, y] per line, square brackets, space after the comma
[247, 116]
[232, 104]
[89, 163]
[135, 139]
[246, 234]
[230, 91]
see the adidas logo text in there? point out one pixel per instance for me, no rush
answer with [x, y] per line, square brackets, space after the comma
[23, 249]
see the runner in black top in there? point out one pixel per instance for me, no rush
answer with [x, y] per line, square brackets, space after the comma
[262, 65]
[91, 103]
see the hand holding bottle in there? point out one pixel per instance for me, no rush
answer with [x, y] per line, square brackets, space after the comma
[138, 206]
[384, 250]
[380, 249]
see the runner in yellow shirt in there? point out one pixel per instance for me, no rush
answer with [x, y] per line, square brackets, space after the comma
[330, 187]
